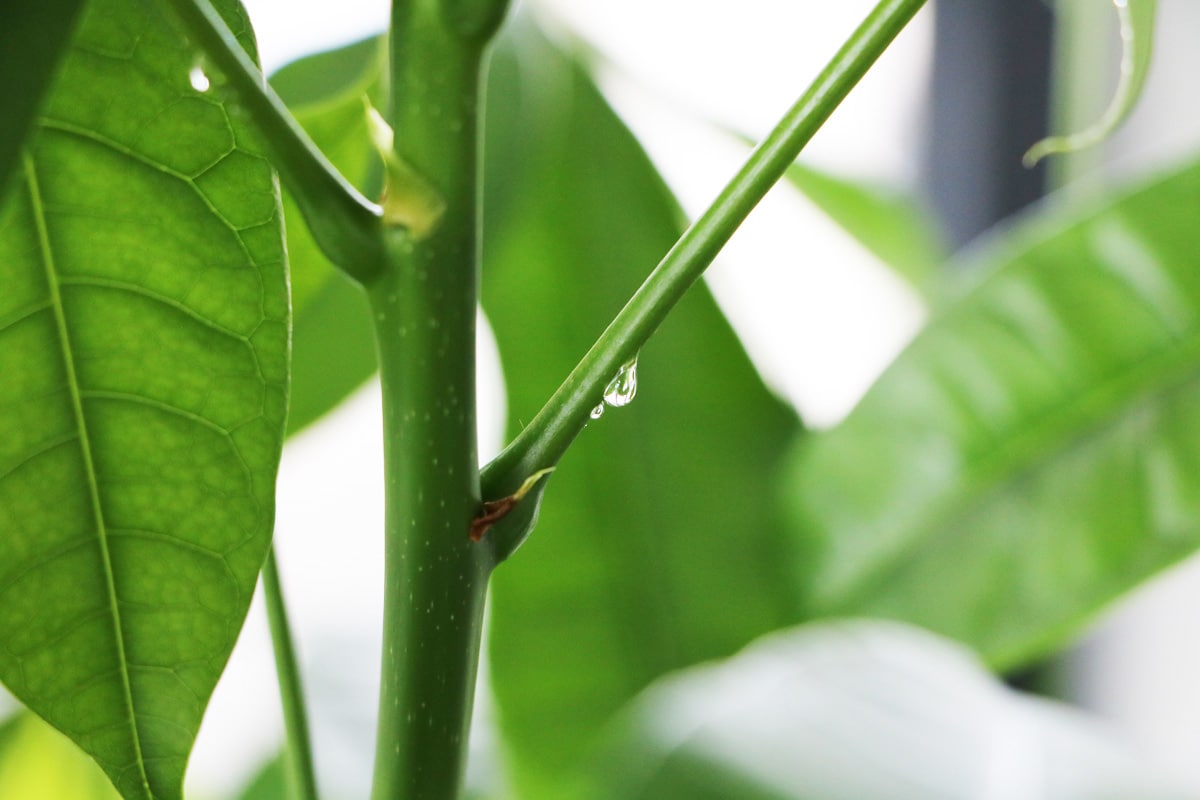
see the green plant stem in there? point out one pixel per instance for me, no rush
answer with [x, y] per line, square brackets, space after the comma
[542, 443]
[303, 779]
[344, 224]
[423, 308]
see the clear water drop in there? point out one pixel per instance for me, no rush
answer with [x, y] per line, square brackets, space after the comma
[598, 411]
[199, 78]
[623, 387]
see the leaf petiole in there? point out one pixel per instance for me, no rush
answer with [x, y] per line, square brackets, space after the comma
[560, 420]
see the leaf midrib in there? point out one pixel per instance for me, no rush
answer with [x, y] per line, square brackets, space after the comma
[85, 446]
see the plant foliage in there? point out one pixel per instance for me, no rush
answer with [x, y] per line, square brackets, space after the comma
[1028, 458]
[144, 348]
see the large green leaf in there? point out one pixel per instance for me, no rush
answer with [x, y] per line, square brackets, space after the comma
[333, 345]
[143, 348]
[1036, 451]
[865, 710]
[657, 544]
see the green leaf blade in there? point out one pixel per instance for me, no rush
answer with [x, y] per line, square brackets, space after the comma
[1033, 453]
[143, 340]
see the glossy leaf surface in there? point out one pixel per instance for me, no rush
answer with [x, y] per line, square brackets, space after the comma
[657, 544]
[1034, 453]
[143, 344]
[865, 710]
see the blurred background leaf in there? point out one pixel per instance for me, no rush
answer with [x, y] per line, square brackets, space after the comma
[1034, 453]
[892, 224]
[270, 783]
[862, 710]
[333, 347]
[39, 763]
[658, 543]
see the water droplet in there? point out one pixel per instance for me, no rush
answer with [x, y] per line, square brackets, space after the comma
[623, 387]
[199, 78]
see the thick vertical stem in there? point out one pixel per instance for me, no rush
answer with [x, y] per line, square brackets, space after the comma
[424, 314]
[435, 577]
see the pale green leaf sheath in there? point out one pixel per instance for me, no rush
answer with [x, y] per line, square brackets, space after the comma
[143, 376]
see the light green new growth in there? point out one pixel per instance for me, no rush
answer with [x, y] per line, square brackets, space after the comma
[530, 482]
[409, 201]
[1137, 40]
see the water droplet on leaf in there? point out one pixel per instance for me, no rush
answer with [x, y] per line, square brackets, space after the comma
[598, 411]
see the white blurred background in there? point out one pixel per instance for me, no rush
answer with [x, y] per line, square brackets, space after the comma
[791, 282]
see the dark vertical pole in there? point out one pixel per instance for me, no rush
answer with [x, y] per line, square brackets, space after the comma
[989, 103]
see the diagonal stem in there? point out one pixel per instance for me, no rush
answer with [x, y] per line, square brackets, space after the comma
[542, 443]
